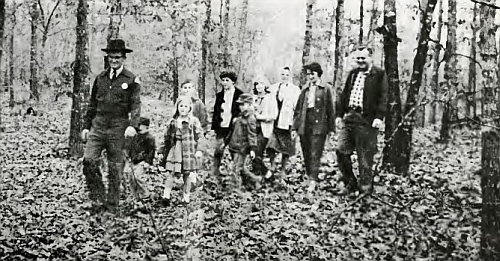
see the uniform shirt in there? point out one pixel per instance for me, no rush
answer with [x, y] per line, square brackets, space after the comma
[226, 108]
[118, 71]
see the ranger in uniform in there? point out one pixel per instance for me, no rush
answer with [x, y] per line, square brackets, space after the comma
[114, 110]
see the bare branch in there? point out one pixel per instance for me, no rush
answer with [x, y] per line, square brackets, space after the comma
[486, 4]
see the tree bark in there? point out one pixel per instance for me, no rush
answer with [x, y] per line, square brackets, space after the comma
[2, 24]
[435, 61]
[306, 50]
[450, 69]
[115, 21]
[34, 14]
[226, 62]
[361, 20]
[471, 90]
[391, 151]
[11, 55]
[490, 178]
[81, 81]
[404, 135]
[205, 46]
[339, 45]
[242, 36]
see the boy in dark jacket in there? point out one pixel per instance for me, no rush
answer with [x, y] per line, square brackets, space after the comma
[243, 140]
[141, 151]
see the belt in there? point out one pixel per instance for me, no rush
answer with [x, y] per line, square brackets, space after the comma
[112, 114]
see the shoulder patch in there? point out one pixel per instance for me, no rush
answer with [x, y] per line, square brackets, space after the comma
[137, 80]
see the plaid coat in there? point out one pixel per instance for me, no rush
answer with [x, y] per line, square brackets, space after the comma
[190, 133]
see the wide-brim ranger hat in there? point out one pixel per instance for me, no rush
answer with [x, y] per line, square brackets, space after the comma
[116, 45]
[245, 98]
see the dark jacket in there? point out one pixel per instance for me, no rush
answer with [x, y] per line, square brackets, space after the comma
[244, 134]
[217, 118]
[142, 147]
[323, 112]
[374, 94]
[115, 98]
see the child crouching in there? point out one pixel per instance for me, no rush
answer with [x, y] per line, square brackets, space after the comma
[180, 153]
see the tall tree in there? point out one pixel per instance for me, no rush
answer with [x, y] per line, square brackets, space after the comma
[490, 178]
[47, 21]
[34, 15]
[226, 62]
[450, 69]
[242, 32]
[11, 53]
[434, 84]
[393, 117]
[306, 50]
[339, 45]
[361, 20]
[471, 86]
[205, 47]
[115, 21]
[81, 81]
[405, 132]
[2, 23]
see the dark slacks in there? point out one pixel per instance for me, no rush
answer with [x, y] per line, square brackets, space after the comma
[312, 148]
[357, 134]
[259, 168]
[107, 133]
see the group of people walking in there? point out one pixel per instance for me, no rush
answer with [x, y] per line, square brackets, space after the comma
[265, 121]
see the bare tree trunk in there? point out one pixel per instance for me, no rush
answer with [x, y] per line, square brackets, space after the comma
[205, 45]
[450, 69]
[34, 52]
[46, 29]
[490, 212]
[115, 21]
[435, 61]
[226, 58]
[2, 24]
[81, 81]
[339, 48]
[471, 92]
[306, 51]
[373, 20]
[361, 20]
[242, 36]
[404, 137]
[391, 151]
[11, 55]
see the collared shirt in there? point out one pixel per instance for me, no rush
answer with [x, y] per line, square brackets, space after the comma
[118, 71]
[227, 106]
[312, 94]
[356, 98]
[288, 95]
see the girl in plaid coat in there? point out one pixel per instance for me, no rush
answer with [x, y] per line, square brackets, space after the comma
[181, 154]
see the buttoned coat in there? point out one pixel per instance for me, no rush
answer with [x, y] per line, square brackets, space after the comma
[323, 112]
[217, 115]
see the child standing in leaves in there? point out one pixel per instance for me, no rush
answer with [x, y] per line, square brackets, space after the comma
[243, 141]
[141, 152]
[181, 154]
[199, 110]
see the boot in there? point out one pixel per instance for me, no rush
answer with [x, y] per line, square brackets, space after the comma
[115, 173]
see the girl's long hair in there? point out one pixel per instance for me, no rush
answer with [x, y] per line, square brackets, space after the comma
[261, 80]
[183, 99]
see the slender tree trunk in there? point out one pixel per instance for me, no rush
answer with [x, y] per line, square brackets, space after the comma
[373, 20]
[205, 46]
[174, 62]
[34, 52]
[339, 48]
[46, 30]
[450, 69]
[490, 212]
[115, 21]
[242, 32]
[2, 24]
[391, 151]
[81, 81]
[404, 137]
[306, 50]
[471, 93]
[361, 20]
[11, 56]
[226, 62]
[435, 61]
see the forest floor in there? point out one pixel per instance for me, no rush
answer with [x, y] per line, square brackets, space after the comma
[431, 215]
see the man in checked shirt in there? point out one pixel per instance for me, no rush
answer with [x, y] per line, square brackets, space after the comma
[360, 112]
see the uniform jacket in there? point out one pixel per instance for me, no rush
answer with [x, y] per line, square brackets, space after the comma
[142, 148]
[244, 135]
[323, 111]
[235, 109]
[374, 94]
[191, 132]
[115, 98]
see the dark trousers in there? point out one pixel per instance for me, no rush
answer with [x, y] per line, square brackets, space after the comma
[107, 133]
[259, 168]
[357, 134]
[312, 148]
